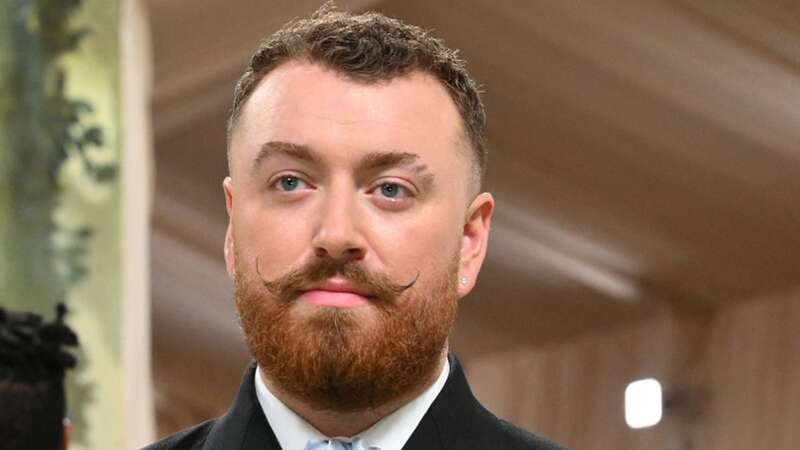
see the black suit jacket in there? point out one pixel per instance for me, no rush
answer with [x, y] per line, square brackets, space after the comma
[454, 421]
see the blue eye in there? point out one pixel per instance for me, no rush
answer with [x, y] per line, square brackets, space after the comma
[289, 182]
[391, 190]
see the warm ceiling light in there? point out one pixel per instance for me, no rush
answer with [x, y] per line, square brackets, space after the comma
[643, 403]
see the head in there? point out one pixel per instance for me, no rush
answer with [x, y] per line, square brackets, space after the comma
[356, 152]
[32, 365]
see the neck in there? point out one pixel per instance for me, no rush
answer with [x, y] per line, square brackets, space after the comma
[348, 424]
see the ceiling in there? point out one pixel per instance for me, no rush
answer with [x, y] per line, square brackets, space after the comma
[644, 155]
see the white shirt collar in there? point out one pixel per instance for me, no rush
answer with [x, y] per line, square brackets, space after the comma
[389, 433]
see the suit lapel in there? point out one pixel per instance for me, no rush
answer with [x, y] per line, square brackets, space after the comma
[450, 415]
[453, 415]
[244, 426]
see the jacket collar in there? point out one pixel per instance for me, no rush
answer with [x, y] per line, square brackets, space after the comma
[244, 427]
[454, 411]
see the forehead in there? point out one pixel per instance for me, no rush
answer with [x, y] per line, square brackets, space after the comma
[314, 106]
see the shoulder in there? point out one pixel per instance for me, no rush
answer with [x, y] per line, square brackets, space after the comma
[193, 438]
[462, 422]
[478, 428]
[518, 439]
[497, 433]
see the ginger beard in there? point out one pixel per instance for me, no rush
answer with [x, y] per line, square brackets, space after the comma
[346, 359]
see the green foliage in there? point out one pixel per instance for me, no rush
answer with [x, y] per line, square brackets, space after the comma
[72, 253]
[47, 127]
[39, 259]
[49, 21]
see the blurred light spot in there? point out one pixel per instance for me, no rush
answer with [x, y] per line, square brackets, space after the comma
[643, 403]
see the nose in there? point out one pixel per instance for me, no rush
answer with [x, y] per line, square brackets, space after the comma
[337, 233]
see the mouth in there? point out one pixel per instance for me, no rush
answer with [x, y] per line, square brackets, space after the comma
[335, 293]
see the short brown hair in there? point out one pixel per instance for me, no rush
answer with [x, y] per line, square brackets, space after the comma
[368, 47]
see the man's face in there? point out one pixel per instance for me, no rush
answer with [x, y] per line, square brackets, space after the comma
[351, 221]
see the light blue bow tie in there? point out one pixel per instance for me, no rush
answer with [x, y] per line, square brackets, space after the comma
[335, 444]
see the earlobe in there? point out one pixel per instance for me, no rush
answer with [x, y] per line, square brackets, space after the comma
[229, 244]
[474, 241]
[67, 427]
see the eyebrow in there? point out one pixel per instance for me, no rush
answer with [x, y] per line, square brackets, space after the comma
[274, 148]
[377, 161]
[369, 163]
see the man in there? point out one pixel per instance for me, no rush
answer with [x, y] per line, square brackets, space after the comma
[32, 365]
[356, 153]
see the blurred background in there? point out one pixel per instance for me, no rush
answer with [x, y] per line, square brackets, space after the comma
[644, 158]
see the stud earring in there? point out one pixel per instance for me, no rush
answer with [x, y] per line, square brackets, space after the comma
[463, 280]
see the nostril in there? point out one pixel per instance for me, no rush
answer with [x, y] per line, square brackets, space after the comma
[346, 253]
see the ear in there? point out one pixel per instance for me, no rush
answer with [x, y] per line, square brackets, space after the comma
[227, 187]
[67, 428]
[474, 241]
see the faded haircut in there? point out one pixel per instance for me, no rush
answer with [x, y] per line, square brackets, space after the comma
[369, 48]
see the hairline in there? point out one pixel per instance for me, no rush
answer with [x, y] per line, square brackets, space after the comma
[464, 145]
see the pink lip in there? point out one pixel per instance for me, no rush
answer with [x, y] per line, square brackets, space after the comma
[330, 298]
[334, 292]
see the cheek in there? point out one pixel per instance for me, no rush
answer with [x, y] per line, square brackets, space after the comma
[426, 241]
[278, 242]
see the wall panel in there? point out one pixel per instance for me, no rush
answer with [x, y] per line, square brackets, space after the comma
[731, 381]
